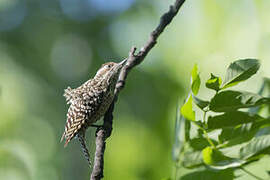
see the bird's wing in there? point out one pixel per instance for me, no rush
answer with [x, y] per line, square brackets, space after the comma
[81, 109]
[68, 94]
[76, 118]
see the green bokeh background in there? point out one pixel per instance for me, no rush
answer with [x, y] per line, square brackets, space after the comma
[48, 51]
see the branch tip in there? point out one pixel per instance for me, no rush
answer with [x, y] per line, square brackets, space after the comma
[132, 51]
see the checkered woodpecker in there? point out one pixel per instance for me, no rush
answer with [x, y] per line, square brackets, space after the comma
[89, 102]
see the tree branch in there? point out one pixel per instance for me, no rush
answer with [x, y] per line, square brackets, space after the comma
[133, 60]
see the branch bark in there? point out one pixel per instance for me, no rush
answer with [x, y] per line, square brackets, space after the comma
[133, 60]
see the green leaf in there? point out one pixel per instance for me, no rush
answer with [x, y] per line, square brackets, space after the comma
[266, 86]
[237, 135]
[208, 174]
[192, 159]
[187, 130]
[255, 146]
[213, 83]
[211, 156]
[241, 133]
[233, 100]
[264, 89]
[215, 159]
[186, 109]
[229, 163]
[198, 143]
[196, 80]
[199, 102]
[231, 119]
[239, 71]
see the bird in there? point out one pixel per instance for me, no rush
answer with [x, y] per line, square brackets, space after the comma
[89, 102]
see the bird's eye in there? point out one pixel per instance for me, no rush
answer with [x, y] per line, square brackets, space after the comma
[109, 65]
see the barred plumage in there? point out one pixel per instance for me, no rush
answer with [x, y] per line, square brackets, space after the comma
[90, 101]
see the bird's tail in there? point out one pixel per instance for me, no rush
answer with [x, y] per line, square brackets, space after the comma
[63, 136]
[67, 139]
[84, 148]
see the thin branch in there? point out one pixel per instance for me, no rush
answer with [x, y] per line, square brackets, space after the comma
[133, 60]
[101, 135]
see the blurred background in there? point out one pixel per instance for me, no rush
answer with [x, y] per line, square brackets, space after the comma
[46, 46]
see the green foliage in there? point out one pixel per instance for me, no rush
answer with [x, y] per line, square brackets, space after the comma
[187, 110]
[235, 134]
[217, 160]
[200, 103]
[214, 82]
[212, 156]
[231, 119]
[255, 146]
[233, 100]
[240, 71]
[196, 80]
[207, 174]
[192, 159]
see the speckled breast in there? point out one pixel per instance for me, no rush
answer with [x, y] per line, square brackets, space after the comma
[102, 108]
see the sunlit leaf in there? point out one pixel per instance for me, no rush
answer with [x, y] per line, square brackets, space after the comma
[233, 100]
[229, 163]
[230, 119]
[192, 159]
[241, 134]
[264, 87]
[240, 71]
[196, 80]
[215, 159]
[213, 135]
[186, 109]
[264, 130]
[199, 102]
[255, 146]
[210, 155]
[213, 83]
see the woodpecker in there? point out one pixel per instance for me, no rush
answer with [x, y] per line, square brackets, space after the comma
[89, 102]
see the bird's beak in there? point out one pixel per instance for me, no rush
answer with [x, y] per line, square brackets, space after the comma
[121, 64]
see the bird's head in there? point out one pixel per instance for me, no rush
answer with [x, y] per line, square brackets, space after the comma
[109, 72]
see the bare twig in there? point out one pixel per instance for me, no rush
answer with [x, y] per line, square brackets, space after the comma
[133, 60]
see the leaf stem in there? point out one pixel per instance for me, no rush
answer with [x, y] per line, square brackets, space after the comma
[205, 133]
[204, 116]
[208, 139]
[251, 174]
